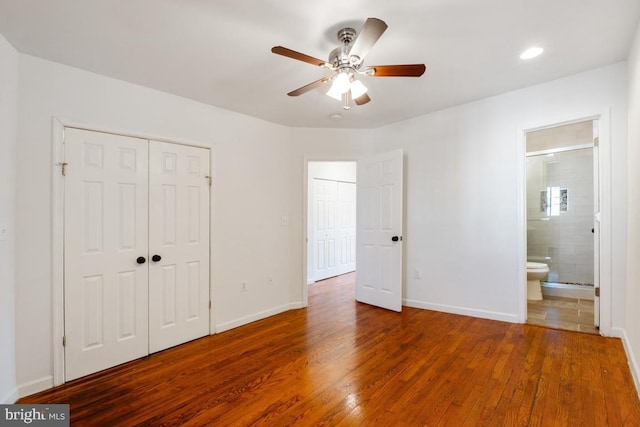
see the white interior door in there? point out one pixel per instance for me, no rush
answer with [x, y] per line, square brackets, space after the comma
[325, 200]
[379, 230]
[106, 228]
[178, 244]
[346, 230]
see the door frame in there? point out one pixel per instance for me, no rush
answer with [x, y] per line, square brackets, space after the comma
[57, 237]
[604, 172]
[305, 218]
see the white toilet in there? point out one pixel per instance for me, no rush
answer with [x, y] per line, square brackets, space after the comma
[536, 271]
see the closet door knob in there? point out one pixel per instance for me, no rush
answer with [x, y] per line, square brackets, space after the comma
[156, 258]
[141, 260]
[395, 238]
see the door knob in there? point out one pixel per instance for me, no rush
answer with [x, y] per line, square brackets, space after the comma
[396, 238]
[141, 260]
[156, 258]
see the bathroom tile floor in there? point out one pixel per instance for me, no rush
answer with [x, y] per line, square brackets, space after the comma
[574, 314]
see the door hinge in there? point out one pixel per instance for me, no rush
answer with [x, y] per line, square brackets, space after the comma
[596, 142]
[209, 304]
[597, 291]
[209, 179]
[64, 340]
[63, 168]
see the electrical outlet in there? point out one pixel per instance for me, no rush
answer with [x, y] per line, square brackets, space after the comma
[417, 274]
[284, 220]
[243, 286]
[4, 232]
[270, 281]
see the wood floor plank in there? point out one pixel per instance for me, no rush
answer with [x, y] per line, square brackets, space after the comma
[343, 363]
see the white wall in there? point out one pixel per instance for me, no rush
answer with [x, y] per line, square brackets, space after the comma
[632, 340]
[255, 184]
[336, 171]
[8, 120]
[463, 172]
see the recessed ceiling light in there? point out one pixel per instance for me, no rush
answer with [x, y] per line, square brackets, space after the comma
[335, 117]
[532, 52]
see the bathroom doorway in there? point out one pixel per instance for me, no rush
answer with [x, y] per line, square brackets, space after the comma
[562, 208]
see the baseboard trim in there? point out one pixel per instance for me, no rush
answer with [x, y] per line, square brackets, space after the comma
[10, 398]
[631, 359]
[35, 386]
[616, 333]
[483, 314]
[257, 316]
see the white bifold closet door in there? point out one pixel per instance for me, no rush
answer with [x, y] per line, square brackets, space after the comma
[128, 202]
[334, 225]
[179, 236]
[346, 229]
[325, 200]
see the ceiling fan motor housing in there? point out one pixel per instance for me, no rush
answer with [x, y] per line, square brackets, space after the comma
[339, 57]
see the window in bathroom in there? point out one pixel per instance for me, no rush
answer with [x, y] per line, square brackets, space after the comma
[554, 200]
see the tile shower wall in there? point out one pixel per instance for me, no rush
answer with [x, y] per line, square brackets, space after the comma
[562, 238]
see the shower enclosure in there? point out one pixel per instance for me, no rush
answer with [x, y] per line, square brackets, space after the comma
[560, 206]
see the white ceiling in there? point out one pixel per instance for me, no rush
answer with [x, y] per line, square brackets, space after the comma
[218, 51]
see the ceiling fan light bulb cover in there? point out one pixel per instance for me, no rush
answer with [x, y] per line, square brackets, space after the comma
[357, 89]
[332, 92]
[341, 83]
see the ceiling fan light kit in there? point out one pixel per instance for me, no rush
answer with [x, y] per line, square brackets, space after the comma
[346, 62]
[357, 88]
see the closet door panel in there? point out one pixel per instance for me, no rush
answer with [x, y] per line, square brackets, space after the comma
[346, 228]
[179, 237]
[106, 225]
[324, 228]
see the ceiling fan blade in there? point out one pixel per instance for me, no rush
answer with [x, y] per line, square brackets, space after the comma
[369, 35]
[409, 70]
[297, 55]
[362, 99]
[310, 86]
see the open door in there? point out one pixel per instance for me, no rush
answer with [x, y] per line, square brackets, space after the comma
[379, 231]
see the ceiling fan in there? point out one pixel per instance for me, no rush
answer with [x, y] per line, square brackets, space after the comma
[347, 61]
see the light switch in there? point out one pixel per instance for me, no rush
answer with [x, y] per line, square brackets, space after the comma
[4, 232]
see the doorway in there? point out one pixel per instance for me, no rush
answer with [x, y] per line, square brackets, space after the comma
[379, 213]
[562, 226]
[331, 219]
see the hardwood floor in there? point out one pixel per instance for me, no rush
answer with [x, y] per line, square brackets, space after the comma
[341, 363]
[574, 314]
